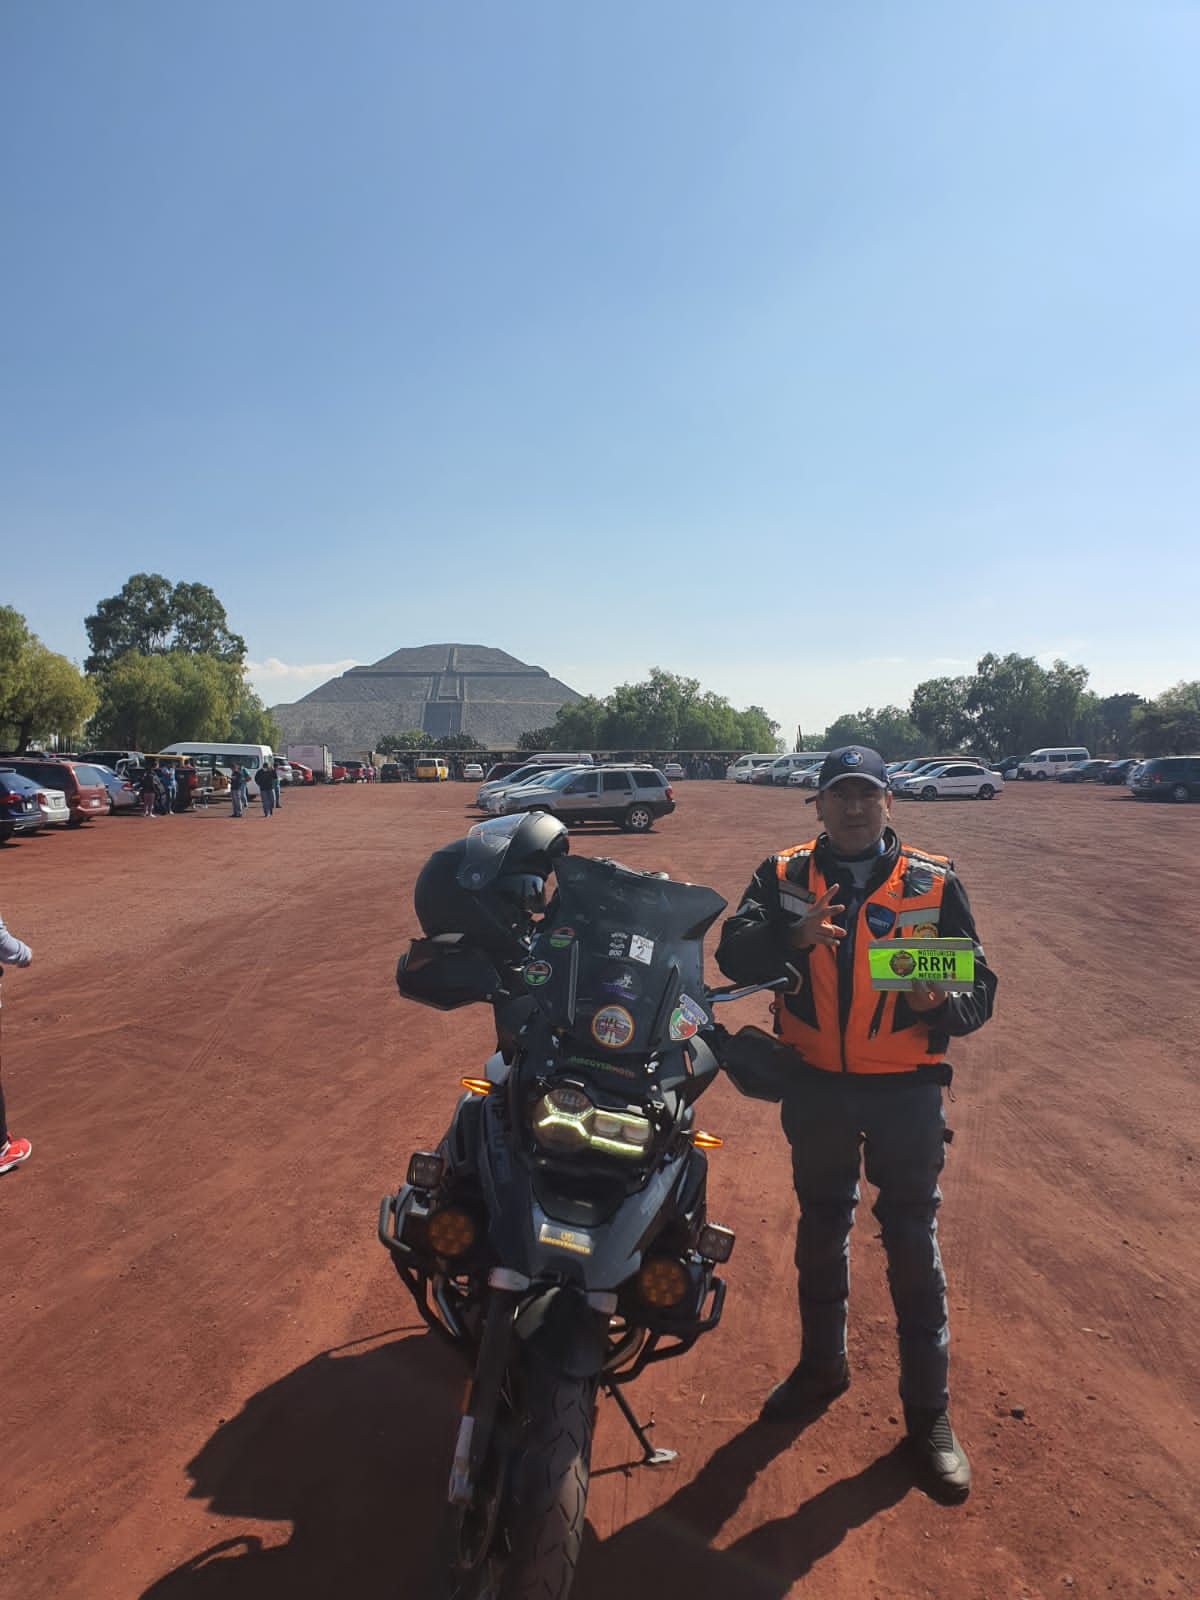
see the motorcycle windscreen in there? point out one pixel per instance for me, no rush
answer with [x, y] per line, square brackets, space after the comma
[618, 962]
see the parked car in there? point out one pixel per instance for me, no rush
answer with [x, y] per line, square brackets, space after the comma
[632, 796]
[473, 772]
[673, 770]
[1167, 778]
[284, 770]
[56, 813]
[957, 779]
[122, 796]
[393, 772]
[303, 774]
[86, 794]
[805, 777]
[431, 769]
[532, 768]
[19, 809]
[355, 771]
[741, 769]
[1083, 772]
[1118, 771]
[337, 773]
[763, 775]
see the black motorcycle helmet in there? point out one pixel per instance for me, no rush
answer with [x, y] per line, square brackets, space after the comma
[487, 886]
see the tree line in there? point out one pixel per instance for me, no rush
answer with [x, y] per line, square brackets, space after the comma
[163, 665]
[664, 712]
[1011, 705]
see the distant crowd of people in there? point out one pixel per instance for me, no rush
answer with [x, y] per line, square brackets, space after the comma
[166, 788]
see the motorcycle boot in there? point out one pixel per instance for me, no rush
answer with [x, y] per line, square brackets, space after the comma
[806, 1389]
[937, 1449]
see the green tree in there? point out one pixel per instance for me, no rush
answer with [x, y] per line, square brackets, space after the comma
[1067, 706]
[1008, 699]
[889, 730]
[939, 710]
[147, 701]
[1114, 724]
[43, 696]
[252, 723]
[153, 616]
[407, 739]
[1169, 725]
[756, 731]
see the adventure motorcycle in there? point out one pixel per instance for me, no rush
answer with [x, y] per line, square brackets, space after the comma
[558, 1235]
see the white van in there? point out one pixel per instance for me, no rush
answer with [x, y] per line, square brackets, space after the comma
[783, 766]
[741, 769]
[211, 756]
[1045, 763]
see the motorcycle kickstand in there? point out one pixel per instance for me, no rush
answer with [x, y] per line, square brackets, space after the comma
[650, 1456]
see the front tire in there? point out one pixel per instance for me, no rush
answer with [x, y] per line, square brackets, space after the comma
[639, 819]
[986, 792]
[929, 793]
[549, 1499]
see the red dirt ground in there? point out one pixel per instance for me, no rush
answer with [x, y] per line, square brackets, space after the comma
[214, 1387]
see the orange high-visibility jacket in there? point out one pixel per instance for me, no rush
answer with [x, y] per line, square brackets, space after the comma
[910, 906]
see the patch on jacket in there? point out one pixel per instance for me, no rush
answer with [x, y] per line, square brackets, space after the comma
[880, 920]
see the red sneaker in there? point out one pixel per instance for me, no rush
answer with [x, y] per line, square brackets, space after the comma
[13, 1151]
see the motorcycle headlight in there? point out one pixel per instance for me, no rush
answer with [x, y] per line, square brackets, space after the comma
[567, 1119]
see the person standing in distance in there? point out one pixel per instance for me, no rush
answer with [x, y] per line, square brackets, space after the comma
[869, 1071]
[267, 780]
[12, 1151]
[238, 779]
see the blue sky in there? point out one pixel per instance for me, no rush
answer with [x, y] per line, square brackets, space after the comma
[811, 350]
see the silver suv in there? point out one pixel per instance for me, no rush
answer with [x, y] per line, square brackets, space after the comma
[629, 795]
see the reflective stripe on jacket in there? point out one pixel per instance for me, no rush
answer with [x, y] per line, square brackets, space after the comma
[908, 903]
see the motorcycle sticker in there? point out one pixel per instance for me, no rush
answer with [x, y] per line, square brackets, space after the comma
[616, 946]
[692, 1010]
[641, 949]
[622, 987]
[612, 1026]
[537, 973]
[572, 1239]
[562, 937]
[681, 1027]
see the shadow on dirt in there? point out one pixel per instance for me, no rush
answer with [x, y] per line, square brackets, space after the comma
[350, 1454]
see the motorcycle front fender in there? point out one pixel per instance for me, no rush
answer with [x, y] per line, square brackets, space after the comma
[564, 1332]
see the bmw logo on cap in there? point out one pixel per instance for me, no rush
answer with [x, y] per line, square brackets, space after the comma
[852, 758]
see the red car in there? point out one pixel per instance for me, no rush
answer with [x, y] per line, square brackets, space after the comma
[87, 796]
[337, 774]
[303, 774]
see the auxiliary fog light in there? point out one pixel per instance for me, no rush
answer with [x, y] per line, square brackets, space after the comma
[451, 1232]
[425, 1169]
[715, 1243]
[663, 1282]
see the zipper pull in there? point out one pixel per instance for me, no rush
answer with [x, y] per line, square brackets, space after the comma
[878, 1017]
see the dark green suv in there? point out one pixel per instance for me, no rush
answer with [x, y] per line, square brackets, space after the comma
[1167, 778]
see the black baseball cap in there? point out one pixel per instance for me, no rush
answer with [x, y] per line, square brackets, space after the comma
[852, 761]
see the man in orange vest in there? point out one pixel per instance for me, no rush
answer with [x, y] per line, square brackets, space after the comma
[867, 1078]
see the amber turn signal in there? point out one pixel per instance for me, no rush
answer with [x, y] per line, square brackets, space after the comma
[706, 1141]
[476, 1085]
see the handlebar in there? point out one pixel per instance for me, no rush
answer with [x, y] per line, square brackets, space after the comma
[732, 991]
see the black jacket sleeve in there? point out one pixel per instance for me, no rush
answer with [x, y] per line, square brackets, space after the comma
[753, 947]
[963, 1013]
